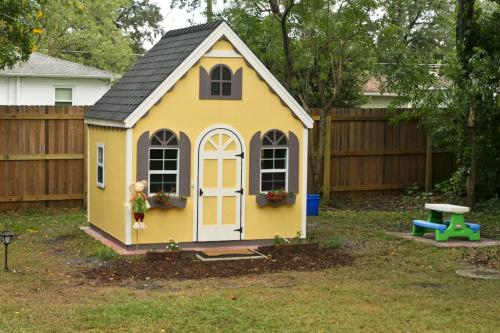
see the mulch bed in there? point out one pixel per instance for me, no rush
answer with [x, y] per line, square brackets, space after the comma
[190, 268]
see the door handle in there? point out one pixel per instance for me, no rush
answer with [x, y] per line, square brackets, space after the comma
[201, 192]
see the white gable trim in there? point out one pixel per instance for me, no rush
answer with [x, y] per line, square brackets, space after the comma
[222, 54]
[222, 30]
[101, 122]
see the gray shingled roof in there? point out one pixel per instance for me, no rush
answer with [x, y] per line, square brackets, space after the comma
[43, 65]
[149, 72]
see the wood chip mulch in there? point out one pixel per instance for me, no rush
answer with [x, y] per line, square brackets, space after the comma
[190, 268]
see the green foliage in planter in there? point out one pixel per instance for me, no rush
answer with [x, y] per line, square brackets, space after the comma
[297, 239]
[278, 240]
[172, 245]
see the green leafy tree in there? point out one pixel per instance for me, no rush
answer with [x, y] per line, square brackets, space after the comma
[104, 34]
[140, 20]
[19, 30]
[457, 101]
[194, 4]
[319, 49]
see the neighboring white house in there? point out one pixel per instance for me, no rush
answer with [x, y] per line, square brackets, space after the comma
[45, 80]
[375, 97]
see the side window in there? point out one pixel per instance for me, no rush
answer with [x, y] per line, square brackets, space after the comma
[100, 165]
[220, 83]
[63, 96]
[163, 162]
[274, 162]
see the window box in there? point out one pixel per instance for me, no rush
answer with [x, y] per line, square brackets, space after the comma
[263, 200]
[174, 202]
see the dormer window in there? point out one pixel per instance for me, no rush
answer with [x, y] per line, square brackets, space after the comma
[220, 83]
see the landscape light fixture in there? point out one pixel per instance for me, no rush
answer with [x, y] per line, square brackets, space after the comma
[6, 237]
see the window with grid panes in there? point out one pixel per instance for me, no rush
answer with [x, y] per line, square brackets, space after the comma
[163, 162]
[220, 81]
[274, 162]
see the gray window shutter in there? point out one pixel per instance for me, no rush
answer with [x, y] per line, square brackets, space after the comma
[184, 165]
[254, 165]
[293, 163]
[237, 84]
[142, 157]
[204, 84]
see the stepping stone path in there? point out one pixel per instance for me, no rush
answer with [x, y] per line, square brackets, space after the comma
[480, 273]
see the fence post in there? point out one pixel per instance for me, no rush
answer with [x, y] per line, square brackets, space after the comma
[428, 164]
[327, 158]
[85, 162]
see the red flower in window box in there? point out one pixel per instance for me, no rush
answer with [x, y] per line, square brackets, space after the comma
[163, 198]
[277, 196]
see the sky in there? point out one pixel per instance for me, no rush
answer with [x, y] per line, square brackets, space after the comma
[180, 18]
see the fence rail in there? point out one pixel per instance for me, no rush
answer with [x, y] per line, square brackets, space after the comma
[42, 157]
[364, 152]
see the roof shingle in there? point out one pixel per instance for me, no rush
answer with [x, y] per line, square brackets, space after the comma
[43, 65]
[149, 72]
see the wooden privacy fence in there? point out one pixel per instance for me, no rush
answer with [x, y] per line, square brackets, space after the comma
[364, 153]
[42, 156]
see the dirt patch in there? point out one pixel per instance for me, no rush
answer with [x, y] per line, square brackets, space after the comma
[184, 268]
[60, 239]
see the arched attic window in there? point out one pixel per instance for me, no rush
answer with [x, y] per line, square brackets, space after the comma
[220, 83]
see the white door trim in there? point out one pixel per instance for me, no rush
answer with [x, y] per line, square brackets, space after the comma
[196, 187]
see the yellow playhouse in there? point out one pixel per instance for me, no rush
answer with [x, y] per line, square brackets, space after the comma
[212, 132]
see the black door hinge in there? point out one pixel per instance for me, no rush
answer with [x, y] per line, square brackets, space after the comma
[201, 192]
[240, 191]
[240, 229]
[242, 155]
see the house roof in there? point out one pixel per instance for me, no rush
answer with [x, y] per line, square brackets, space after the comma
[160, 68]
[149, 71]
[372, 85]
[41, 65]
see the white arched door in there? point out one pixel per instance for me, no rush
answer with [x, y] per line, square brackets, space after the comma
[219, 186]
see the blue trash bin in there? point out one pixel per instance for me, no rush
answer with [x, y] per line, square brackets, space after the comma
[312, 204]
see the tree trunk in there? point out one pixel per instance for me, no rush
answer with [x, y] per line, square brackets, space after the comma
[288, 54]
[210, 12]
[465, 50]
[318, 159]
[471, 180]
[283, 20]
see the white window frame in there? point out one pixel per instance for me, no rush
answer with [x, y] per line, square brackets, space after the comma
[163, 172]
[64, 101]
[285, 170]
[101, 165]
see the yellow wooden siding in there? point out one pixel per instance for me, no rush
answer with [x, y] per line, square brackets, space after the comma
[182, 110]
[106, 206]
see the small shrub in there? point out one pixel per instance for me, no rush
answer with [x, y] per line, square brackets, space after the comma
[333, 243]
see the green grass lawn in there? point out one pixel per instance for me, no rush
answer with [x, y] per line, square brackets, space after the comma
[394, 285]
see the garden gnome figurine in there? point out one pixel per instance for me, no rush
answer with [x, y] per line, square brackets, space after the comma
[140, 204]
